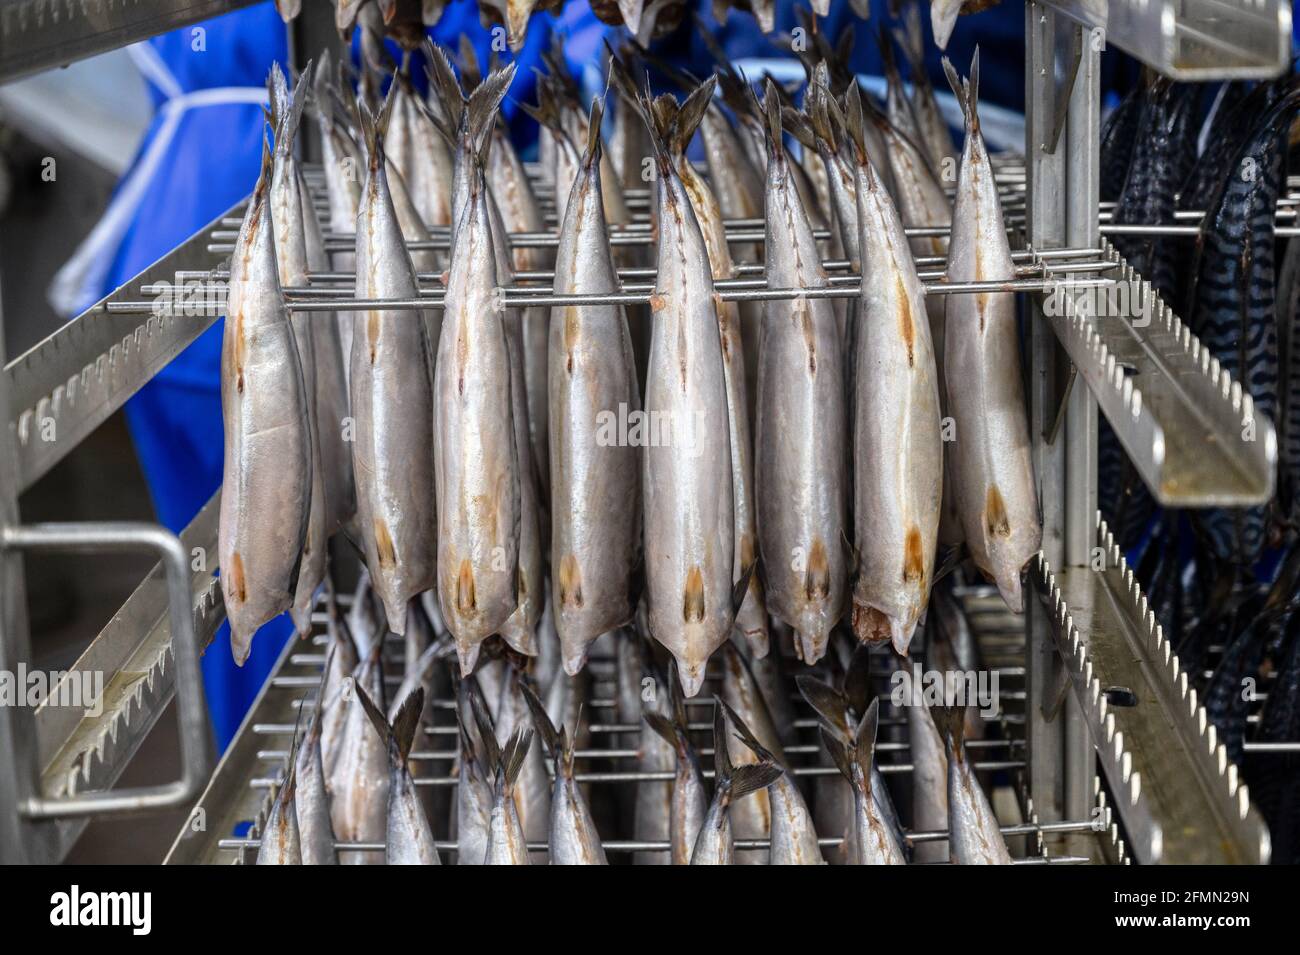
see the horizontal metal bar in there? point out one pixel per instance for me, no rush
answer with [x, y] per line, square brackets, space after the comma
[38, 35]
[1046, 286]
[1193, 40]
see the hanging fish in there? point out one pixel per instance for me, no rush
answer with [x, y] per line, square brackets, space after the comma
[898, 453]
[506, 844]
[688, 516]
[479, 482]
[281, 843]
[358, 782]
[287, 204]
[572, 836]
[266, 486]
[793, 839]
[1233, 299]
[475, 759]
[932, 129]
[595, 549]
[871, 840]
[690, 794]
[974, 837]
[408, 839]
[311, 798]
[715, 844]
[801, 468]
[991, 466]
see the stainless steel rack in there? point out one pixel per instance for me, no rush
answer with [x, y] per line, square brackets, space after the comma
[234, 807]
[1074, 755]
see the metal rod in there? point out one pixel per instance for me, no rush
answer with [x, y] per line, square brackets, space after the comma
[1045, 286]
[433, 287]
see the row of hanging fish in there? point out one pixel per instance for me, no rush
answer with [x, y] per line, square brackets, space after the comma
[804, 480]
[1220, 581]
[405, 21]
[354, 774]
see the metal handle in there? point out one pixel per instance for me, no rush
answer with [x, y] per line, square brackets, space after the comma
[117, 536]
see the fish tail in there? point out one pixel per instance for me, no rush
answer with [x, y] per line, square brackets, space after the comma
[406, 723]
[511, 760]
[830, 705]
[667, 730]
[951, 723]
[375, 126]
[591, 155]
[445, 85]
[864, 749]
[487, 735]
[484, 107]
[546, 731]
[772, 126]
[966, 91]
[746, 735]
[376, 716]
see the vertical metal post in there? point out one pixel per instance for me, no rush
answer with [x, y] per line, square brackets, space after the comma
[1062, 105]
[1082, 149]
[1045, 207]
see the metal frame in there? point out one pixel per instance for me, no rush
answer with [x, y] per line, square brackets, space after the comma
[61, 769]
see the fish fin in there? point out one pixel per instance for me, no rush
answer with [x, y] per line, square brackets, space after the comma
[471, 73]
[798, 126]
[691, 113]
[829, 704]
[851, 552]
[965, 91]
[722, 768]
[741, 587]
[487, 734]
[288, 121]
[664, 727]
[745, 735]
[375, 126]
[951, 723]
[372, 711]
[444, 84]
[839, 754]
[407, 723]
[512, 758]
[951, 559]
[911, 40]
[857, 680]
[591, 156]
[855, 123]
[772, 122]
[542, 723]
[278, 99]
[865, 744]
[752, 777]
[484, 107]
[676, 701]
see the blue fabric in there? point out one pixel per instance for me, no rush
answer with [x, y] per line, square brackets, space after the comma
[175, 420]
[212, 163]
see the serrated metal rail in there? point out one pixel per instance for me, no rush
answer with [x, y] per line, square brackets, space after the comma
[1191, 431]
[64, 387]
[1179, 797]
